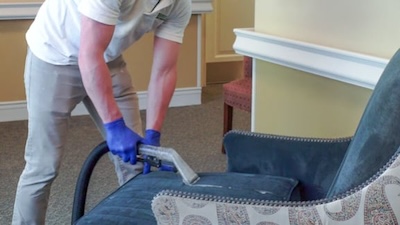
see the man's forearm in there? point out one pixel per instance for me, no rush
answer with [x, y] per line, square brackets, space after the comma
[95, 37]
[97, 81]
[160, 91]
[162, 81]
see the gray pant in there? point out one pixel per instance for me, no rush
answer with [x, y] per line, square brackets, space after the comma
[52, 92]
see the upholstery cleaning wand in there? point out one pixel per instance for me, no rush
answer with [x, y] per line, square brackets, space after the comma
[156, 153]
[189, 177]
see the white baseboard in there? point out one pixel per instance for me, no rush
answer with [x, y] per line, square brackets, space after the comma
[16, 110]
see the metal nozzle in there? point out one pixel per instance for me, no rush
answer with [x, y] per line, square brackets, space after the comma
[170, 155]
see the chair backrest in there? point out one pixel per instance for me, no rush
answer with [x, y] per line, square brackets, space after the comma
[247, 66]
[377, 137]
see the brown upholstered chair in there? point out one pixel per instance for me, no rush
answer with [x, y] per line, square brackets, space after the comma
[237, 94]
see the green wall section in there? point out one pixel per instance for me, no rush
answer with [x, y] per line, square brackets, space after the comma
[295, 103]
[292, 102]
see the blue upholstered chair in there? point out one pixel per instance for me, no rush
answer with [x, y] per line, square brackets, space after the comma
[281, 180]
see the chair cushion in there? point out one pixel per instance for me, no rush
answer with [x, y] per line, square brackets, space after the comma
[237, 93]
[131, 203]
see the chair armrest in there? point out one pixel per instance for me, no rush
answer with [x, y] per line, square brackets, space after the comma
[370, 203]
[313, 161]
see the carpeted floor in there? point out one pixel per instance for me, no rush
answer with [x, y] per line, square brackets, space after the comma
[194, 131]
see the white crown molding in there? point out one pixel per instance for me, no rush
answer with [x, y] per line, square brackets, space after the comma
[19, 11]
[13, 111]
[353, 68]
[28, 10]
[201, 6]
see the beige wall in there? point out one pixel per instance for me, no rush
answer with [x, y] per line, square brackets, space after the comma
[365, 26]
[12, 58]
[13, 49]
[291, 102]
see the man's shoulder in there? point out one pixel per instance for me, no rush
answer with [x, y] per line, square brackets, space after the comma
[185, 5]
[182, 8]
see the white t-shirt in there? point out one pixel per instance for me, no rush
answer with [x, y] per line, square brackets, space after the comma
[54, 35]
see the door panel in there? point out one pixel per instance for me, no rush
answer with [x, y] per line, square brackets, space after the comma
[227, 15]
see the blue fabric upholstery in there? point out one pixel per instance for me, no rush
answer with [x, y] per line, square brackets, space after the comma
[377, 136]
[326, 169]
[314, 162]
[131, 203]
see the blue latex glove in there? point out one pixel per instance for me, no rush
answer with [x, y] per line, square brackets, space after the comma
[152, 137]
[122, 141]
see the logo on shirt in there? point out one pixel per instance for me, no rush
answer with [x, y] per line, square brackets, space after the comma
[161, 16]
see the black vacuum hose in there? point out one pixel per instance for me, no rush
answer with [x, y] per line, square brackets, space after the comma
[78, 206]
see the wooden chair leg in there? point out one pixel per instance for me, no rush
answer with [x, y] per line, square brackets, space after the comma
[228, 113]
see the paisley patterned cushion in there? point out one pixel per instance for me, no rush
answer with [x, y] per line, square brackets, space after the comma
[377, 202]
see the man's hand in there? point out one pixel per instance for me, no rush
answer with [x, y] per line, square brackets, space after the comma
[122, 141]
[152, 137]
